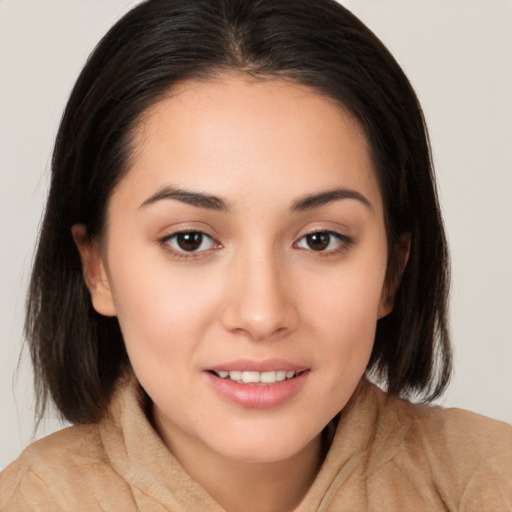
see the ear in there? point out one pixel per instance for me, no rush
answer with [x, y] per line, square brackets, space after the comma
[394, 276]
[94, 272]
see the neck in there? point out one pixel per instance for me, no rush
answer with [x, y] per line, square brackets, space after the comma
[277, 486]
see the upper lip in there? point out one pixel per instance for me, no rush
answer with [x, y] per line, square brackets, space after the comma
[263, 365]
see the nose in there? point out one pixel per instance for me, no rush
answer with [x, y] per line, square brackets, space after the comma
[259, 301]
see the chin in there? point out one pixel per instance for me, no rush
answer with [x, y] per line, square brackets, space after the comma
[257, 454]
[264, 446]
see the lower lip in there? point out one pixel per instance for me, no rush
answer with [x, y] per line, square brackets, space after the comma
[253, 396]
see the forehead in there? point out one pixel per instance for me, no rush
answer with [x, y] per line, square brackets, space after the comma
[237, 133]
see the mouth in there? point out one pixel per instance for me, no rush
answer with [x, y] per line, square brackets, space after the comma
[258, 383]
[258, 389]
[258, 378]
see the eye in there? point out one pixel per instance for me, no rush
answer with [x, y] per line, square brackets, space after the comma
[324, 241]
[188, 242]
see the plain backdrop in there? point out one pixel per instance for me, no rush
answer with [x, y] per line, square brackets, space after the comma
[457, 54]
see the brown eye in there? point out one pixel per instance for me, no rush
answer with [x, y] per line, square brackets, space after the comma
[189, 241]
[324, 241]
[318, 241]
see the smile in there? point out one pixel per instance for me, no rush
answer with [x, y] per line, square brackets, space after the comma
[250, 388]
[251, 377]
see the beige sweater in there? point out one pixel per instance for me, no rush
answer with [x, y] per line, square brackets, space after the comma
[387, 455]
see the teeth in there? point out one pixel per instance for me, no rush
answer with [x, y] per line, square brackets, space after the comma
[268, 377]
[280, 375]
[250, 377]
[247, 377]
[235, 375]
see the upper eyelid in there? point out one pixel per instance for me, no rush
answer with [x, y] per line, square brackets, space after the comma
[186, 230]
[324, 225]
[300, 235]
[170, 232]
[324, 230]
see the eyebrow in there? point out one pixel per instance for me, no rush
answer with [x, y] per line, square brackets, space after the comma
[193, 198]
[315, 201]
[211, 202]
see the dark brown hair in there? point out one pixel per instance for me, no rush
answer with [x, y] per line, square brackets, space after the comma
[78, 354]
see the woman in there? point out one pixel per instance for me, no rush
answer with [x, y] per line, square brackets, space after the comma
[242, 224]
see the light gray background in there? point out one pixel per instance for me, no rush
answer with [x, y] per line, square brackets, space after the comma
[458, 55]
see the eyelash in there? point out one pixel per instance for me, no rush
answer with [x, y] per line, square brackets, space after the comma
[344, 243]
[181, 254]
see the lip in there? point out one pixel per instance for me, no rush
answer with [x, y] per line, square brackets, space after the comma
[257, 396]
[253, 365]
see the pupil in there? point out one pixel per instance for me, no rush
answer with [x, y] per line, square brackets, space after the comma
[190, 241]
[318, 241]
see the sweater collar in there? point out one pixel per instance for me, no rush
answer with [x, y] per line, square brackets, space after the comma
[137, 453]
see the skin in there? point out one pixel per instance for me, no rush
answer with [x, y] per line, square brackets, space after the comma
[255, 289]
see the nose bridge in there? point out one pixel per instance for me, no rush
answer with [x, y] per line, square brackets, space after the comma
[259, 302]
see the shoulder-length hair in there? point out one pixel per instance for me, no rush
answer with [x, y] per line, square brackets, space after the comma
[78, 354]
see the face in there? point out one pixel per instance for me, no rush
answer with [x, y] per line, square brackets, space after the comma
[245, 256]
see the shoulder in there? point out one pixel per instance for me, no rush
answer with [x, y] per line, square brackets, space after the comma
[450, 424]
[464, 435]
[467, 457]
[44, 473]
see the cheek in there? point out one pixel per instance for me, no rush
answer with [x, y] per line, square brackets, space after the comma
[345, 316]
[349, 334]
[161, 310]
[349, 298]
